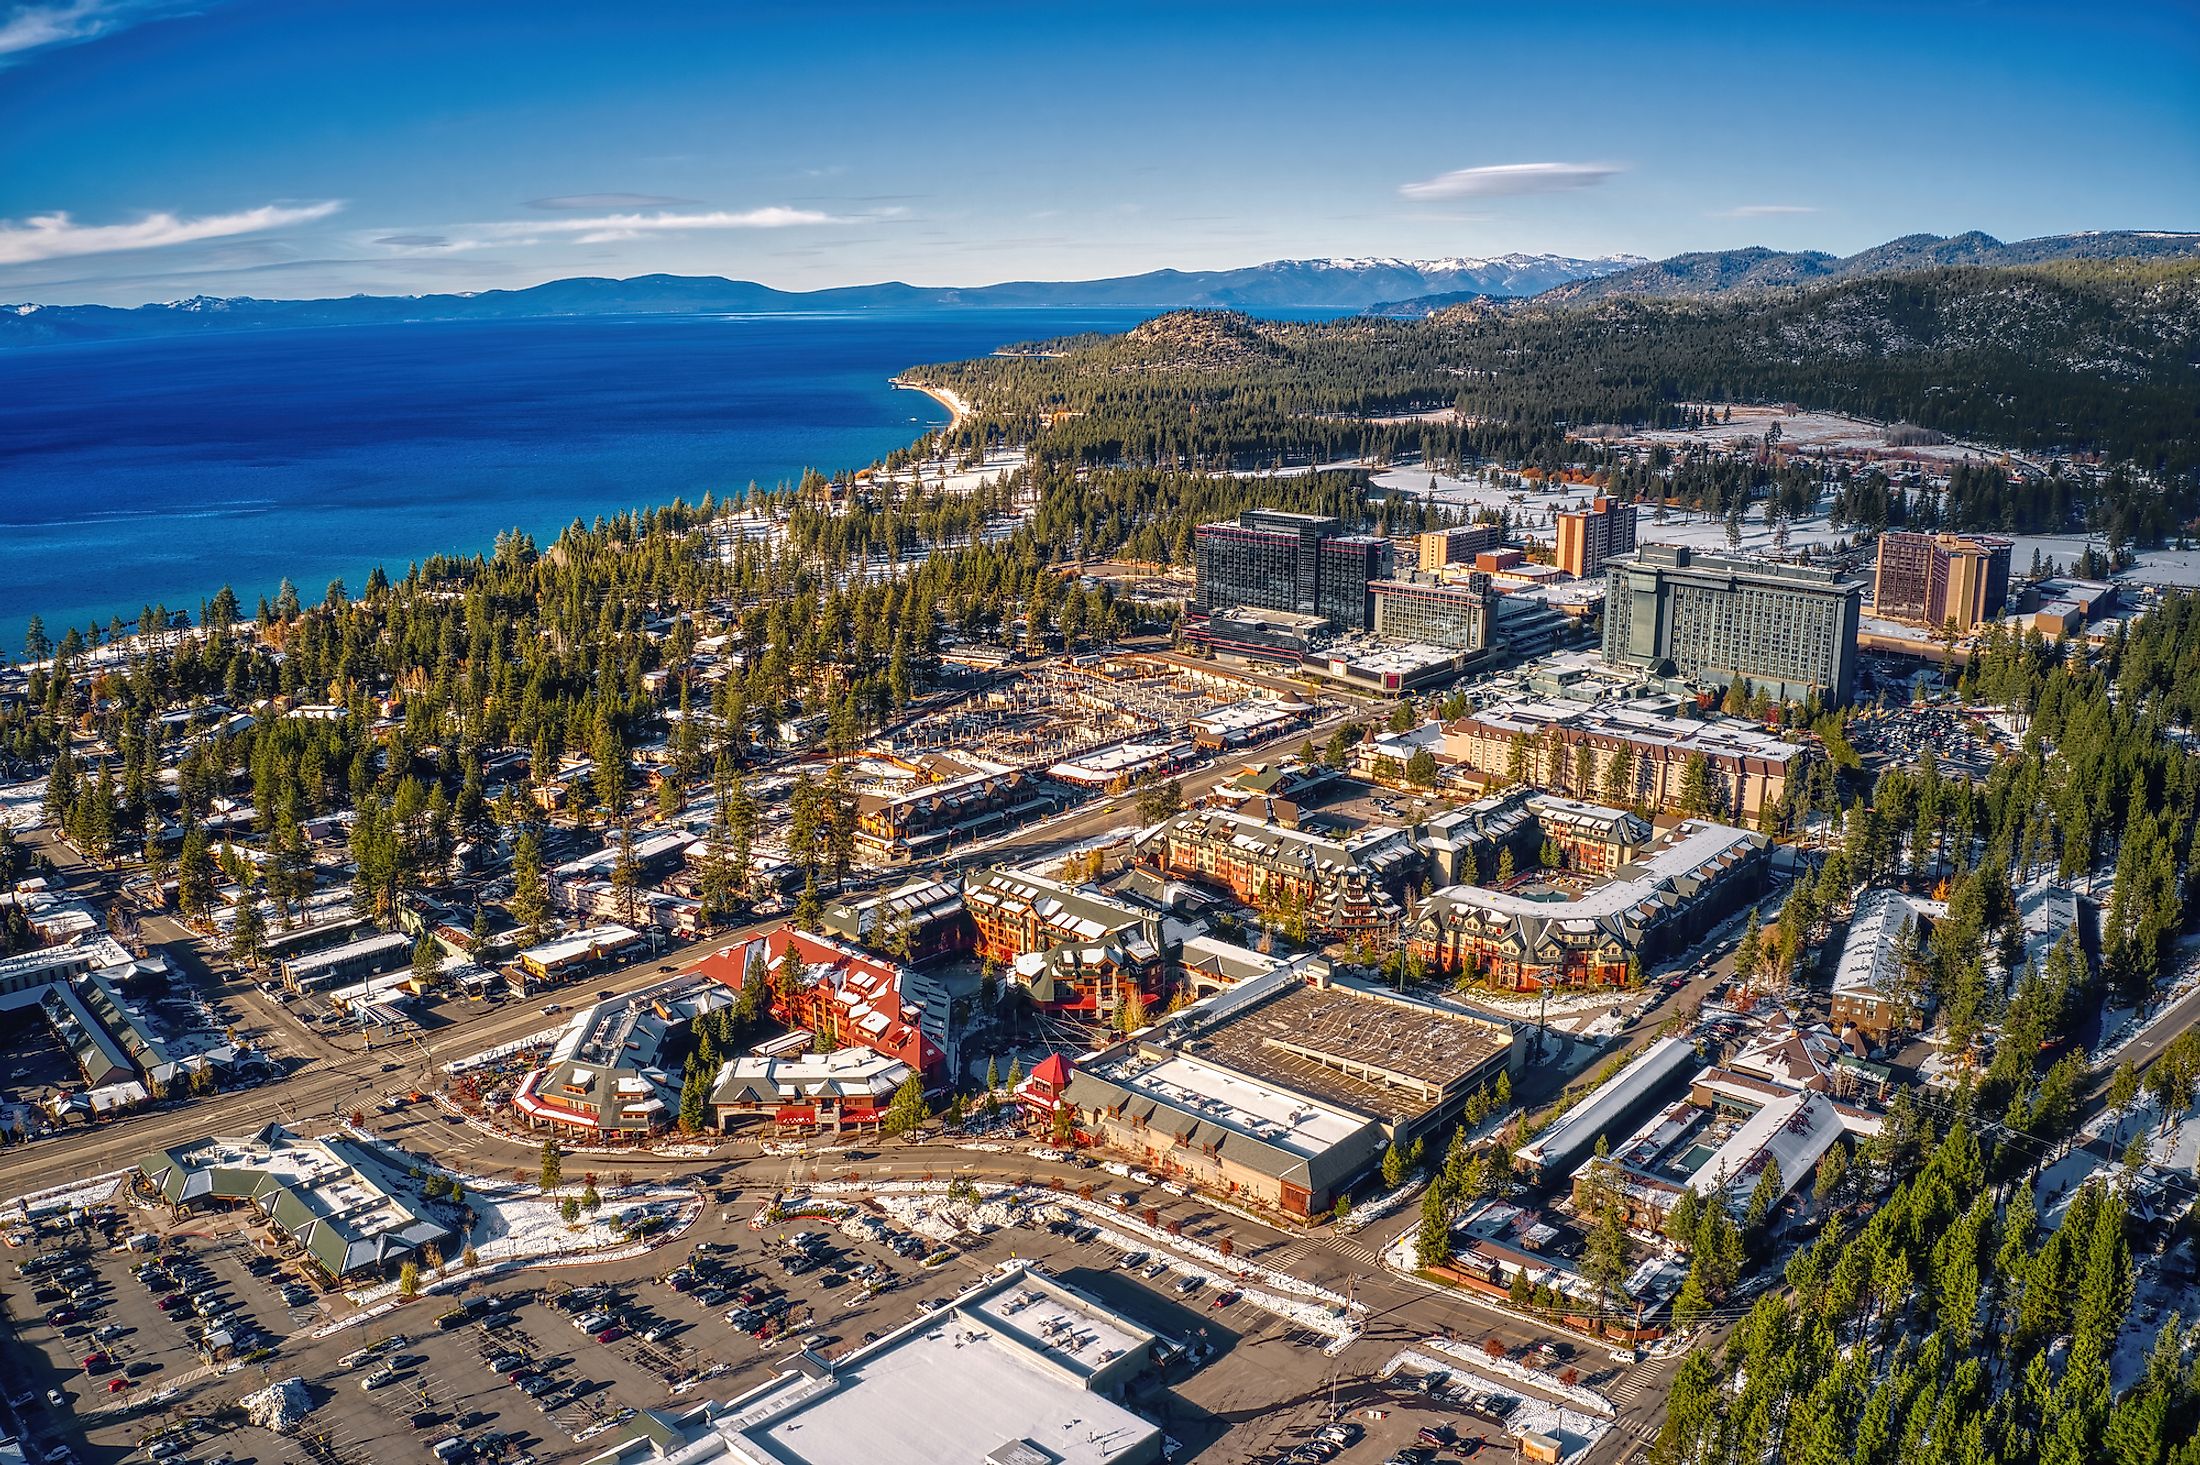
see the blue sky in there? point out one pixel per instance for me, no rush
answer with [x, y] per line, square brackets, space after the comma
[151, 149]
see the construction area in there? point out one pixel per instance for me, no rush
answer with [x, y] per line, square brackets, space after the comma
[1060, 711]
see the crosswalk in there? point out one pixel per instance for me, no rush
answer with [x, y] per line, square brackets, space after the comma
[1359, 1251]
[1630, 1387]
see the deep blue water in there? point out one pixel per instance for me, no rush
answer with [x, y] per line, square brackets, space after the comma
[142, 472]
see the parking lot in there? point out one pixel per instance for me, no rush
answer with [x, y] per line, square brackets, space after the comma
[533, 1367]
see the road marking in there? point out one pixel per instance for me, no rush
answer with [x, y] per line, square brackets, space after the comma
[1359, 1251]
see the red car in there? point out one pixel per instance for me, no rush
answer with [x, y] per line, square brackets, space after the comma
[171, 1302]
[60, 1317]
[117, 1385]
[97, 1363]
[610, 1335]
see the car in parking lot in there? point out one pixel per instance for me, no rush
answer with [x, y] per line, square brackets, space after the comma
[57, 1399]
[611, 1334]
[381, 1378]
[109, 1331]
[61, 1317]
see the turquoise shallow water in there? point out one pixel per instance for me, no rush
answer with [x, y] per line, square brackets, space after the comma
[152, 471]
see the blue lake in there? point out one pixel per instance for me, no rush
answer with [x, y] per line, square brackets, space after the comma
[155, 471]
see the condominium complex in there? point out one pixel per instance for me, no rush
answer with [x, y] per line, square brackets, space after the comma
[1302, 563]
[1788, 630]
[1635, 756]
[1456, 617]
[1343, 884]
[1069, 947]
[1539, 934]
[1932, 579]
[1588, 537]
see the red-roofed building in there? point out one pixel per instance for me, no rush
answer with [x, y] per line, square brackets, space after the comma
[1045, 1090]
[852, 997]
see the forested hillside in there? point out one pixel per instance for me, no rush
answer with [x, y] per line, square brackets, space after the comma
[2095, 356]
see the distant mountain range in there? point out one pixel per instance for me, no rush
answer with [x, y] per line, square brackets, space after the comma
[1305, 284]
[1726, 271]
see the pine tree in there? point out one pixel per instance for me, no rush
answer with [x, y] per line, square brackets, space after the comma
[530, 902]
[427, 963]
[247, 932]
[553, 1165]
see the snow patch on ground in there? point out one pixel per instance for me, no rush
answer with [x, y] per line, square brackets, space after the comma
[922, 1206]
[1576, 1430]
[1366, 1213]
[76, 1195]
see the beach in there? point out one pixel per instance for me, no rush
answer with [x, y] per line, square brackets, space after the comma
[957, 409]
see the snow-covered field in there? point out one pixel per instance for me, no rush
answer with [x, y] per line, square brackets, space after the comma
[943, 475]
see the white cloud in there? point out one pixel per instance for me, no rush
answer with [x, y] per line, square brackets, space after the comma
[1499, 180]
[611, 228]
[1764, 210]
[607, 201]
[58, 236]
[35, 27]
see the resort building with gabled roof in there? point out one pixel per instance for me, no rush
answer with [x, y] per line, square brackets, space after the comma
[349, 1206]
[1541, 931]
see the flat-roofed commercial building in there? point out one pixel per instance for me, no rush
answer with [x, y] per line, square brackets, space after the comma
[1931, 579]
[1018, 1370]
[1303, 563]
[1457, 545]
[1789, 630]
[1533, 936]
[1456, 617]
[1609, 1106]
[338, 966]
[1539, 740]
[1280, 1091]
[1590, 536]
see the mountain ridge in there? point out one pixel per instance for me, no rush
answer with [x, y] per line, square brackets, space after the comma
[1342, 284]
[1757, 268]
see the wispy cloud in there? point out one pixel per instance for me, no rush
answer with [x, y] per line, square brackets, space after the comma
[34, 27]
[1764, 210]
[608, 201]
[59, 236]
[616, 227]
[1499, 180]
